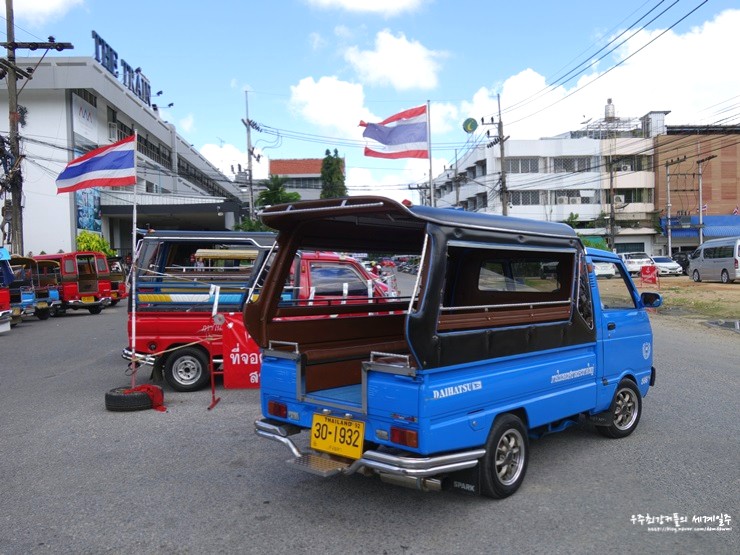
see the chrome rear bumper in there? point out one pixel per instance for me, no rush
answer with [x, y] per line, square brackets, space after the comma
[378, 461]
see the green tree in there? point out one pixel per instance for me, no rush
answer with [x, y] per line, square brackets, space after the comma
[332, 176]
[571, 220]
[251, 225]
[89, 241]
[275, 192]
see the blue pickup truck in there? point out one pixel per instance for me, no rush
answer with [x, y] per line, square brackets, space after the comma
[503, 335]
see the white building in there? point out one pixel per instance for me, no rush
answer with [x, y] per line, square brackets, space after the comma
[74, 104]
[578, 173]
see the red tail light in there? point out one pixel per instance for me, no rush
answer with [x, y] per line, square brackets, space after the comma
[277, 409]
[402, 436]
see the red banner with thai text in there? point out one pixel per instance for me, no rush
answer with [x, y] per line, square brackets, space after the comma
[242, 356]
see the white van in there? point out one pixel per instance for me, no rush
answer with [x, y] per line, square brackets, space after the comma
[718, 260]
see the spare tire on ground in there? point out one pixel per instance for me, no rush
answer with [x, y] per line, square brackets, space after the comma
[121, 399]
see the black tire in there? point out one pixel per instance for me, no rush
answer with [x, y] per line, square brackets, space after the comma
[43, 314]
[695, 276]
[95, 309]
[625, 411]
[187, 369]
[725, 277]
[53, 312]
[507, 454]
[114, 302]
[118, 401]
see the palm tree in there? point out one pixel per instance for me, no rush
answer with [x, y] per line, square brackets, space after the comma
[275, 192]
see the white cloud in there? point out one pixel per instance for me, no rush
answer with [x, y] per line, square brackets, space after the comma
[227, 156]
[386, 8]
[187, 124]
[38, 12]
[337, 106]
[316, 41]
[396, 61]
[686, 74]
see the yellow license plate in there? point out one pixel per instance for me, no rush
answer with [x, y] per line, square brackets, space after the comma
[88, 299]
[41, 305]
[16, 311]
[114, 294]
[337, 436]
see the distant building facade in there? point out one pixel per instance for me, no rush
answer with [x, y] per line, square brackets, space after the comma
[303, 175]
[75, 104]
[608, 178]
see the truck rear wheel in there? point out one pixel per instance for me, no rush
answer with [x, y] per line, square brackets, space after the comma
[507, 453]
[95, 309]
[186, 369]
[625, 411]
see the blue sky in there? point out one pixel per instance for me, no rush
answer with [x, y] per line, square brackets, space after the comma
[315, 68]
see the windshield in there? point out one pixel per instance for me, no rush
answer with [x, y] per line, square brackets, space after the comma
[662, 259]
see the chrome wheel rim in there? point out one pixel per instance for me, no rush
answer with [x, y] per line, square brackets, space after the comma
[510, 457]
[625, 409]
[187, 370]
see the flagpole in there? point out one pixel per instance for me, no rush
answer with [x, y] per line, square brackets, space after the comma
[134, 263]
[432, 192]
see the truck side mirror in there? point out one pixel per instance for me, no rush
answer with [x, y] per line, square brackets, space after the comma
[651, 300]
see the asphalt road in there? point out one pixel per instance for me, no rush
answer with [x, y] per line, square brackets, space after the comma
[79, 479]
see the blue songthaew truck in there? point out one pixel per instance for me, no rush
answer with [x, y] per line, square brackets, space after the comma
[503, 333]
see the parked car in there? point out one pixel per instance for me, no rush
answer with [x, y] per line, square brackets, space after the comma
[6, 277]
[716, 259]
[444, 386]
[604, 270]
[667, 266]
[22, 294]
[682, 258]
[118, 285]
[178, 331]
[634, 261]
[46, 291]
[84, 279]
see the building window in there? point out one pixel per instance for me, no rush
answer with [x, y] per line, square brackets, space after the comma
[572, 165]
[644, 196]
[524, 198]
[303, 183]
[87, 96]
[522, 165]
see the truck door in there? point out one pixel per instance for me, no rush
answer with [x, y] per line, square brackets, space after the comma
[624, 335]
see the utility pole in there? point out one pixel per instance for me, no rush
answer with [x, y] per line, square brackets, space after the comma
[612, 211]
[15, 179]
[701, 198]
[501, 140]
[668, 199]
[249, 158]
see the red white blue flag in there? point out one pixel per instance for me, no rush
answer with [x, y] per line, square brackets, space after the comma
[403, 135]
[109, 166]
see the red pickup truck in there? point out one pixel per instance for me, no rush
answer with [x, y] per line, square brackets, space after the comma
[185, 279]
[85, 280]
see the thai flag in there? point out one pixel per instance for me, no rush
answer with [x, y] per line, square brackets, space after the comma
[735, 212]
[703, 208]
[403, 135]
[109, 166]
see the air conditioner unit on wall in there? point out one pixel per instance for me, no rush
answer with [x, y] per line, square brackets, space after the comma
[562, 200]
[618, 199]
[574, 200]
[626, 167]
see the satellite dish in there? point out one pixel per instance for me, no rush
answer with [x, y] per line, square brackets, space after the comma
[470, 125]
